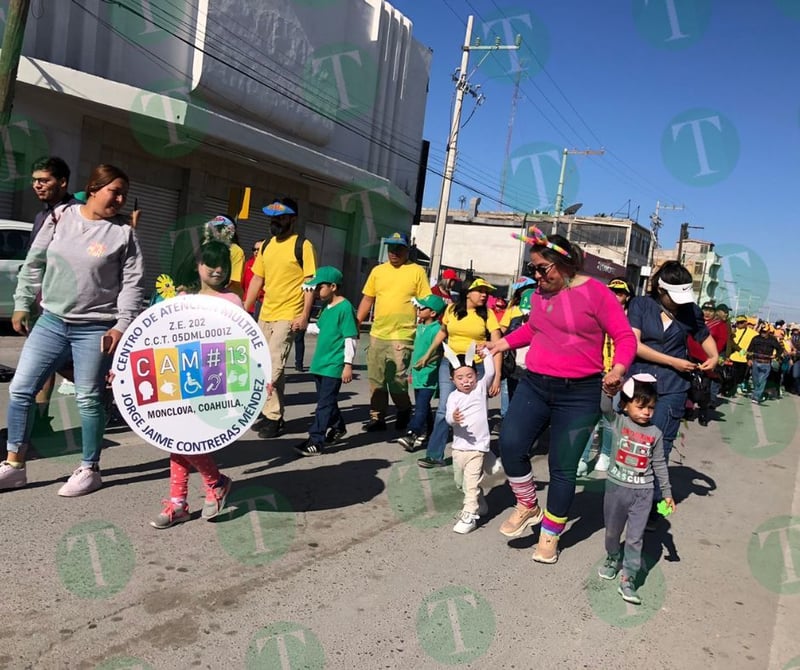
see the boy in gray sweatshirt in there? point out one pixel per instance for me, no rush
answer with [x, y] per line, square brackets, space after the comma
[637, 458]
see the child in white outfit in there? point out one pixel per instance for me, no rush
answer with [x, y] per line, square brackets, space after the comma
[467, 413]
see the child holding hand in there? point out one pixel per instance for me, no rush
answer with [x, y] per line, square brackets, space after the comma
[637, 459]
[466, 412]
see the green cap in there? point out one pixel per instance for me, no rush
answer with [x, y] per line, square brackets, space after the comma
[525, 300]
[327, 274]
[432, 302]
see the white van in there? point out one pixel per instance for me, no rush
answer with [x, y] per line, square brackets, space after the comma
[14, 236]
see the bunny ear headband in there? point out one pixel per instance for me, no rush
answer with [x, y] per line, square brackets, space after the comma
[538, 239]
[627, 387]
[452, 357]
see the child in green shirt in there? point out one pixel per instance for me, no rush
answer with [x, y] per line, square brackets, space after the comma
[424, 379]
[332, 364]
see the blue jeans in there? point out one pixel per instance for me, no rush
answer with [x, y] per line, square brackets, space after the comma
[299, 348]
[48, 347]
[571, 407]
[327, 414]
[422, 411]
[504, 399]
[760, 373]
[441, 431]
[670, 409]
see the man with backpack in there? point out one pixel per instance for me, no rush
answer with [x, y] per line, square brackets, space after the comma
[281, 268]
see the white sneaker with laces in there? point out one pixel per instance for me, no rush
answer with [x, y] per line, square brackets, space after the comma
[11, 477]
[82, 481]
[583, 468]
[603, 461]
[467, 522]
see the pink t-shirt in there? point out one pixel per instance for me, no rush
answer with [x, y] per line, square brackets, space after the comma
[565, 331]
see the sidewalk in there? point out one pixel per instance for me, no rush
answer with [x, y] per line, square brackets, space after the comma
[348, 560]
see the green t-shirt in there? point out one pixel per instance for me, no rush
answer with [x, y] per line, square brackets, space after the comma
[336, 323]
[428, 377]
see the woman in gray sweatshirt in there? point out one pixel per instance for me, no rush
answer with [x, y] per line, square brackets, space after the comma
[88, 266]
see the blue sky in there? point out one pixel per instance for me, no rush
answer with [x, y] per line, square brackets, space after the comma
[695, 102]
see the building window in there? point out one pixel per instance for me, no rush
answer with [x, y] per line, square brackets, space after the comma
[699, 268]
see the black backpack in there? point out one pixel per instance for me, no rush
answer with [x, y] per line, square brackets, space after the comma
[509, 366]
[298, 247]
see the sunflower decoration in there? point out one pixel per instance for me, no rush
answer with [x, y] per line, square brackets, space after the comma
[165, 287]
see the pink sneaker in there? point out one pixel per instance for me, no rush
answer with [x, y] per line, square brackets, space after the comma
[82, 481]
[11, 477]
[215, 499]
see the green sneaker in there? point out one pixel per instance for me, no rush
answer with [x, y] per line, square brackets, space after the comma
[610, 568]
[628, 592]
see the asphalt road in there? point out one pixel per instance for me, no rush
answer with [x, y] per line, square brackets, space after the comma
[348, 560]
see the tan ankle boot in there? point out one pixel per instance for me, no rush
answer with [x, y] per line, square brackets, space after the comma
[547, 549]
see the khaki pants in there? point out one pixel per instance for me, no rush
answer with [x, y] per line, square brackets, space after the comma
[469, 464]
[279, 336]
[388, 367]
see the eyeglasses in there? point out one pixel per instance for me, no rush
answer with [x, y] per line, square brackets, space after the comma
[541, 270]
[256, 248]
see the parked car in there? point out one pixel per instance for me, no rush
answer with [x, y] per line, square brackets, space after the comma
[14, 236]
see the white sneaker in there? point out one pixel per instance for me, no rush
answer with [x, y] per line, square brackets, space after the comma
[81, 482]
[583, 468]
[603, 461]
[11, 477]
[467, 522]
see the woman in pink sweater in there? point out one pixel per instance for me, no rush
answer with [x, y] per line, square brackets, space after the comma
[570, 315]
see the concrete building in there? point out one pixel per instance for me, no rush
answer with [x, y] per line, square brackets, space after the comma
[323, 102]
[699, 257]
[482, 242]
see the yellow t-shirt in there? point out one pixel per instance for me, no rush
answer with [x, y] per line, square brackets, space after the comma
[511, 313]
[395, 317]
[742, 341]
[472, 328]
[237, 268]
[283, 277]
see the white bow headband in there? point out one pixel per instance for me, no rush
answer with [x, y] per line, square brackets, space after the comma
[627, 387]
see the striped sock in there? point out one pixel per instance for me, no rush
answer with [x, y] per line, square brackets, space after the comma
[524, 490]
[553, 524]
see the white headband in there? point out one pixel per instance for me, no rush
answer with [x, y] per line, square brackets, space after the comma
[627, 387]
[452, 357]
[674, 287]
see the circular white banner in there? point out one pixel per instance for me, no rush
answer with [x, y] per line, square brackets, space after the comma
[191, 374]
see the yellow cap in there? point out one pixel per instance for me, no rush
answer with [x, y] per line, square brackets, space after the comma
[479, 284]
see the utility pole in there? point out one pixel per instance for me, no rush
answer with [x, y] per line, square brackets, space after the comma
[16, 18]
[462, 87]
[656, 223]
[684, 236]
[562, 176]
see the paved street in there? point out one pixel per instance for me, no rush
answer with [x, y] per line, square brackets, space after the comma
[348, 560]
